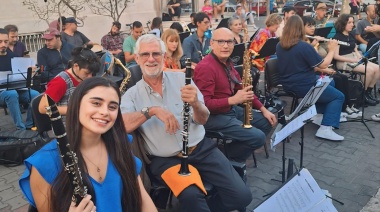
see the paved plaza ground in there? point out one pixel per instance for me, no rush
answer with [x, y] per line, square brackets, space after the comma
[349, 170]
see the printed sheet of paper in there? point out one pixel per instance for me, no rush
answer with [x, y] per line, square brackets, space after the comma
[21, 64]
[301, 193]
[293, 126]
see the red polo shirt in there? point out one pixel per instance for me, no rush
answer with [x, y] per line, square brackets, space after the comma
[210, 76]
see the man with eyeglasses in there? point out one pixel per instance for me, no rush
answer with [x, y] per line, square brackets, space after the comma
[222, 90]
[54, 56]
[154, 107]
[197, 45]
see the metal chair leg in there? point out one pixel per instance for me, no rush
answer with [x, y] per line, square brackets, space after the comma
[266, 150]
[254, 159]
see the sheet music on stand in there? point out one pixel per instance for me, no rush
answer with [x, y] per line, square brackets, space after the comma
[20, 67]
[307, 102]
[269, 48]
[300, 193]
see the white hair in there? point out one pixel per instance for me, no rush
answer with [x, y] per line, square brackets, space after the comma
[149, 38]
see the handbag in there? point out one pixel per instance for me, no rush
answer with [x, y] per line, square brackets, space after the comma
[17, 145]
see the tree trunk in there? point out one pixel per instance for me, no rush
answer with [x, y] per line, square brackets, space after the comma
[345, 7]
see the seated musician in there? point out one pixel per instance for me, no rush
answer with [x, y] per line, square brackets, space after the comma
[320, 15]
[17, 47]
[363, 37]
[12, 98]
[156, 27]
[130, 43]
[288, 12]
[54, 56]
[113, 41]
[154, 107]
[297, 60]
[235, 25]
[221, 87]
[320, 21]
[173, 51]
[197, 45]
[192, 27]
[272, 23]
[72, 35]
[85, 64]
[350, 55]
[176, 26]
[108, 168]
[340, 80]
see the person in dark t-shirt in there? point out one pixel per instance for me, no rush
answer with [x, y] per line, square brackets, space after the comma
[346, 56]
[297, 60]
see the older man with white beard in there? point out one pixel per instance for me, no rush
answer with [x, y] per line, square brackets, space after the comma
[154, 107]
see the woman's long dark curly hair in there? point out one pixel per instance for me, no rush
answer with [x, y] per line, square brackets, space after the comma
[118, 148]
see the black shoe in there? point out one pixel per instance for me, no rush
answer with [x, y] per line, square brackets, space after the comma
[369, 101]
[371, 96]
[216, 20]
[222, 16]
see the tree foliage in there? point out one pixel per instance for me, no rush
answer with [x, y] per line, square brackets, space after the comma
[109, 8]
[52, 9]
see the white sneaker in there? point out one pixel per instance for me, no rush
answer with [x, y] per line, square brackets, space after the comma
[376, 117]
[359, 112]
[351, 113]
[343, 116]
[317, 119]
[326, 132]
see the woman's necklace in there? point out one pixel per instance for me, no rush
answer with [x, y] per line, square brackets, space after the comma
[97, 166]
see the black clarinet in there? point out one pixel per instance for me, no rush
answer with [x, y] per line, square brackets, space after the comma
[69, 158]
[184, 170]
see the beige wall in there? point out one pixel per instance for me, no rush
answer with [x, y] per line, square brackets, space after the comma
[13, 12]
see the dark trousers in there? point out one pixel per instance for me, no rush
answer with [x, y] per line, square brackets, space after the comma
[177, 12]
[214, 168]
[244, 140]
[341, 83]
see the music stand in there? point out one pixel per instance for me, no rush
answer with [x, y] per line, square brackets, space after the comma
[323, 31]
[364, 60]
[268, 49]
[305, 112]
[184, 35]
[254, 34]
[223, 23]
[238, 53]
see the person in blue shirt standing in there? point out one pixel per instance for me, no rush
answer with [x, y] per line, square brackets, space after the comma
[109, 170]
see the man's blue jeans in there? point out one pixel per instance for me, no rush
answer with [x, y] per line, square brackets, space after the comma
[12, 100]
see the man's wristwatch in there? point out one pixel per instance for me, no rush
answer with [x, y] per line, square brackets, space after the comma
[145, 112]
